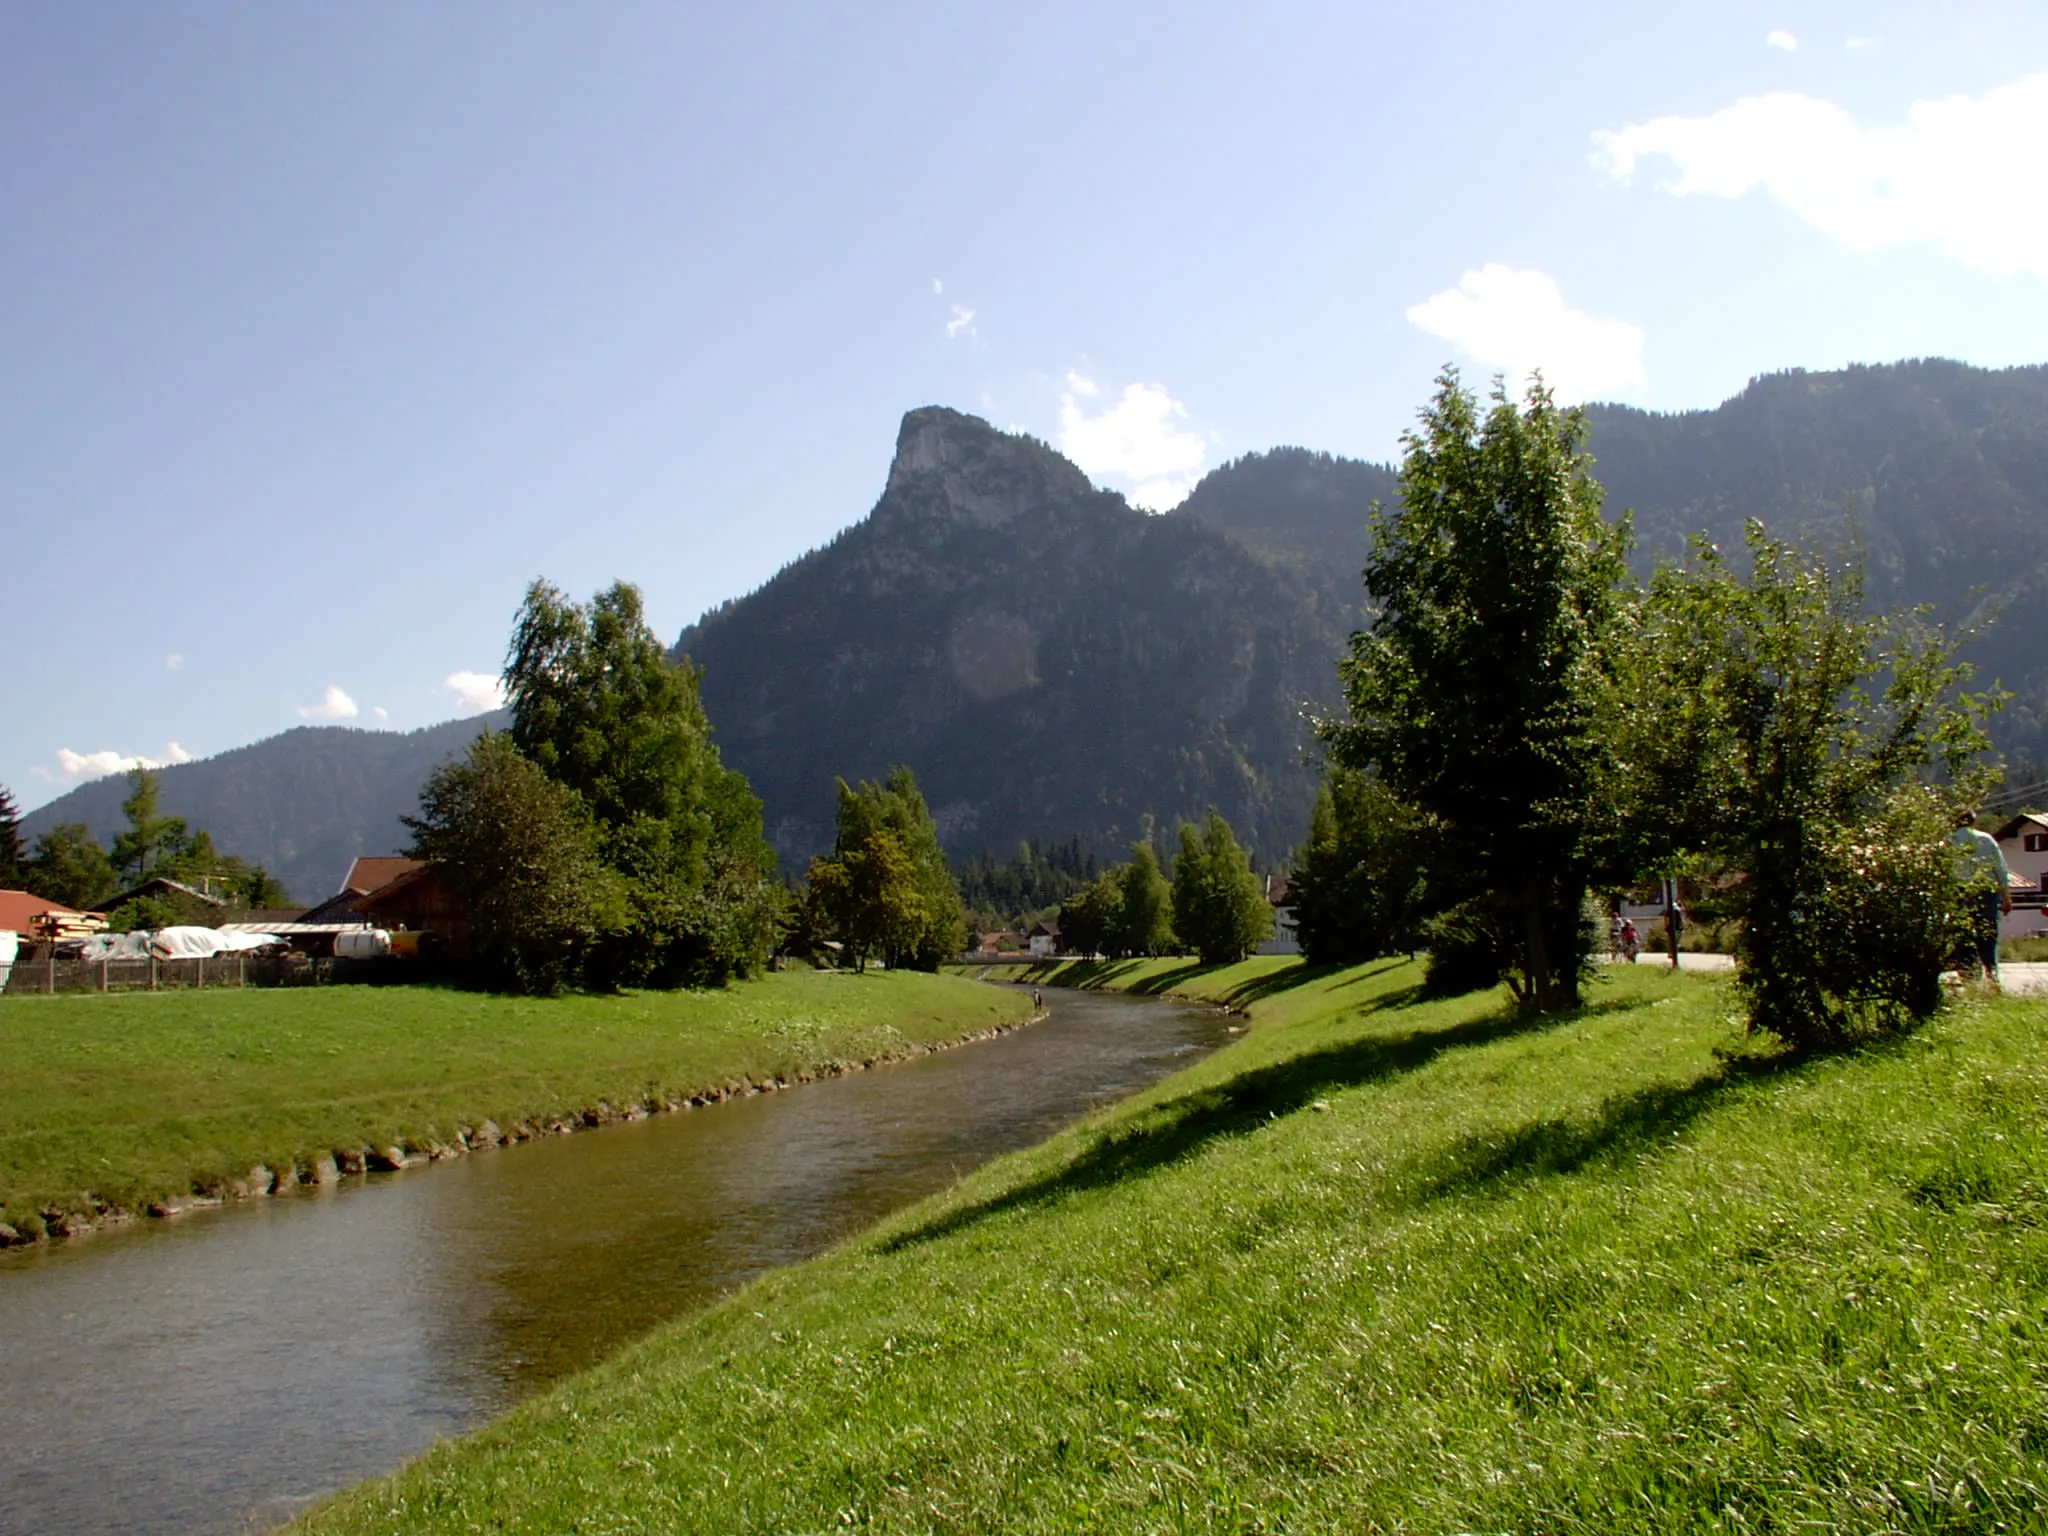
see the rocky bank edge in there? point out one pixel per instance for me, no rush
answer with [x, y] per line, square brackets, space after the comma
[316, 1169]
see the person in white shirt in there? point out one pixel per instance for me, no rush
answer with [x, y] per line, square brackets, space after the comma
[1984, 866]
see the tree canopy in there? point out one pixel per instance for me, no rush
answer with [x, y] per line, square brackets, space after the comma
[1479, 693]
[886, 890]
[1219, 905]
[600, 708]
[521, 851]
[13, 856]
[1780, 730]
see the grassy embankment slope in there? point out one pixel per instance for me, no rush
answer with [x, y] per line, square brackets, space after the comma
[1383, 1265]
[134, 1097]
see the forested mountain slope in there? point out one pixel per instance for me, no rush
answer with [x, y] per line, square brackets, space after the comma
[301, 804]
[1054, 663]
[1050, 661]
[1938, 470]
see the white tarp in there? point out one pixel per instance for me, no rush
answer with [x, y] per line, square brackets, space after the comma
[10, 946]
[171, 944]
[115, 946]
[196, 943]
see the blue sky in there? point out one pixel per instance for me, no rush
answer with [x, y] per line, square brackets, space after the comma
[324, 329]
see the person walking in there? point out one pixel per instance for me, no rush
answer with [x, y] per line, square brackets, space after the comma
[1985, 868]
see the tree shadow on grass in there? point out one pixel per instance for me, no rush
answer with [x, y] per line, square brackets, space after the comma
[1182, 1126]
[1622, 1125]
[1101, 975]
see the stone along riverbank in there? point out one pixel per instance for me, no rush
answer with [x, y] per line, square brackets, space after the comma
[190, 1376]
[162, 1104]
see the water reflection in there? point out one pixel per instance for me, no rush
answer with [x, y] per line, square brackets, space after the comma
[204, 1375]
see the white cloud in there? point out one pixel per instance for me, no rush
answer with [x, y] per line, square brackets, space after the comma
[1781, 39]
[1860, 44]
[380, 712]
[81, 767]
[1954, 174]
[334, 705]
[937, 287]
[963, 320]
[1516, 320]
[1136, 440]
[475, 692]
[175, 662]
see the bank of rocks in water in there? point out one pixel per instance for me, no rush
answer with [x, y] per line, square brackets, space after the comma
[318, 1169]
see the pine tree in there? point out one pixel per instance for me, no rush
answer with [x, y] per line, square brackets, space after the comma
[13, 856]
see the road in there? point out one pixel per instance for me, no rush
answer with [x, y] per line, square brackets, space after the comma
[2023, 979]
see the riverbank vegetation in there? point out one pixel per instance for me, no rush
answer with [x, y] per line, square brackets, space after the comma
[120, 1100]
[1387, 1263]
[1529, 730]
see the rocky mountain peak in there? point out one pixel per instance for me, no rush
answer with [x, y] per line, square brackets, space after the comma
[957, 467]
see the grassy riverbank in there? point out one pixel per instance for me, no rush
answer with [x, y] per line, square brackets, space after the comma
[129, 1098]
[1383, 1265]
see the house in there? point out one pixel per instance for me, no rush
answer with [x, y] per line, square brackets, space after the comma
[34, 917]
[1004, 943]
[369, 873]
[1045, 940]
[190, 903]
[419, 901]
[1280, 897]
[2024, 842]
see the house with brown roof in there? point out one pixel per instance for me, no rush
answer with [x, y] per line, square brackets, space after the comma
[34, 916]
[420, 901]
[372, 872]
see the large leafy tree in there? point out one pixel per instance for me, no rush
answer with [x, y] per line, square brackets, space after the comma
[1219, 905]
[598, 705]
[521, 851]
[1480, 693]
[886, 887]
[1780, 731]
[1091, 917]
[1144, 921]
[1358, 881]
[68, 867]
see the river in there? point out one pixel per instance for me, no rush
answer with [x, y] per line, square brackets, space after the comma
[219, 1372]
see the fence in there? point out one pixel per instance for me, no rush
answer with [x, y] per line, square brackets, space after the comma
[50, 975]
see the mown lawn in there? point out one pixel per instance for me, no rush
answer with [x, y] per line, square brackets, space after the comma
[1385, 1265]
[131, 1097]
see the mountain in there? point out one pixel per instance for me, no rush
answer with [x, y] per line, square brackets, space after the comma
[302, 804]
[1053, 663]
[1938, 470]
[1049, 660]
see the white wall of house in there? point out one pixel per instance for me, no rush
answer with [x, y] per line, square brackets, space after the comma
[2026, 853]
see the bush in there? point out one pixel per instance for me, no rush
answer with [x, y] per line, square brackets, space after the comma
[1465, 955]
[1882, 912]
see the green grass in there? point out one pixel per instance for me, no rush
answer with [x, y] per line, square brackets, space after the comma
[132, 1097]
[1383, 1265]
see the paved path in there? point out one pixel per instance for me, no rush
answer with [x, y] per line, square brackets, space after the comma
[2026, 979]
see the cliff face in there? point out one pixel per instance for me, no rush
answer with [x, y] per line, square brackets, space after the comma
[1048, 660]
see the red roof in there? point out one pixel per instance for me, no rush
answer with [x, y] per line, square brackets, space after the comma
[19, 910]
[373, 873]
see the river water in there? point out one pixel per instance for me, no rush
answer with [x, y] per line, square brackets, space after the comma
[216, 1373]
